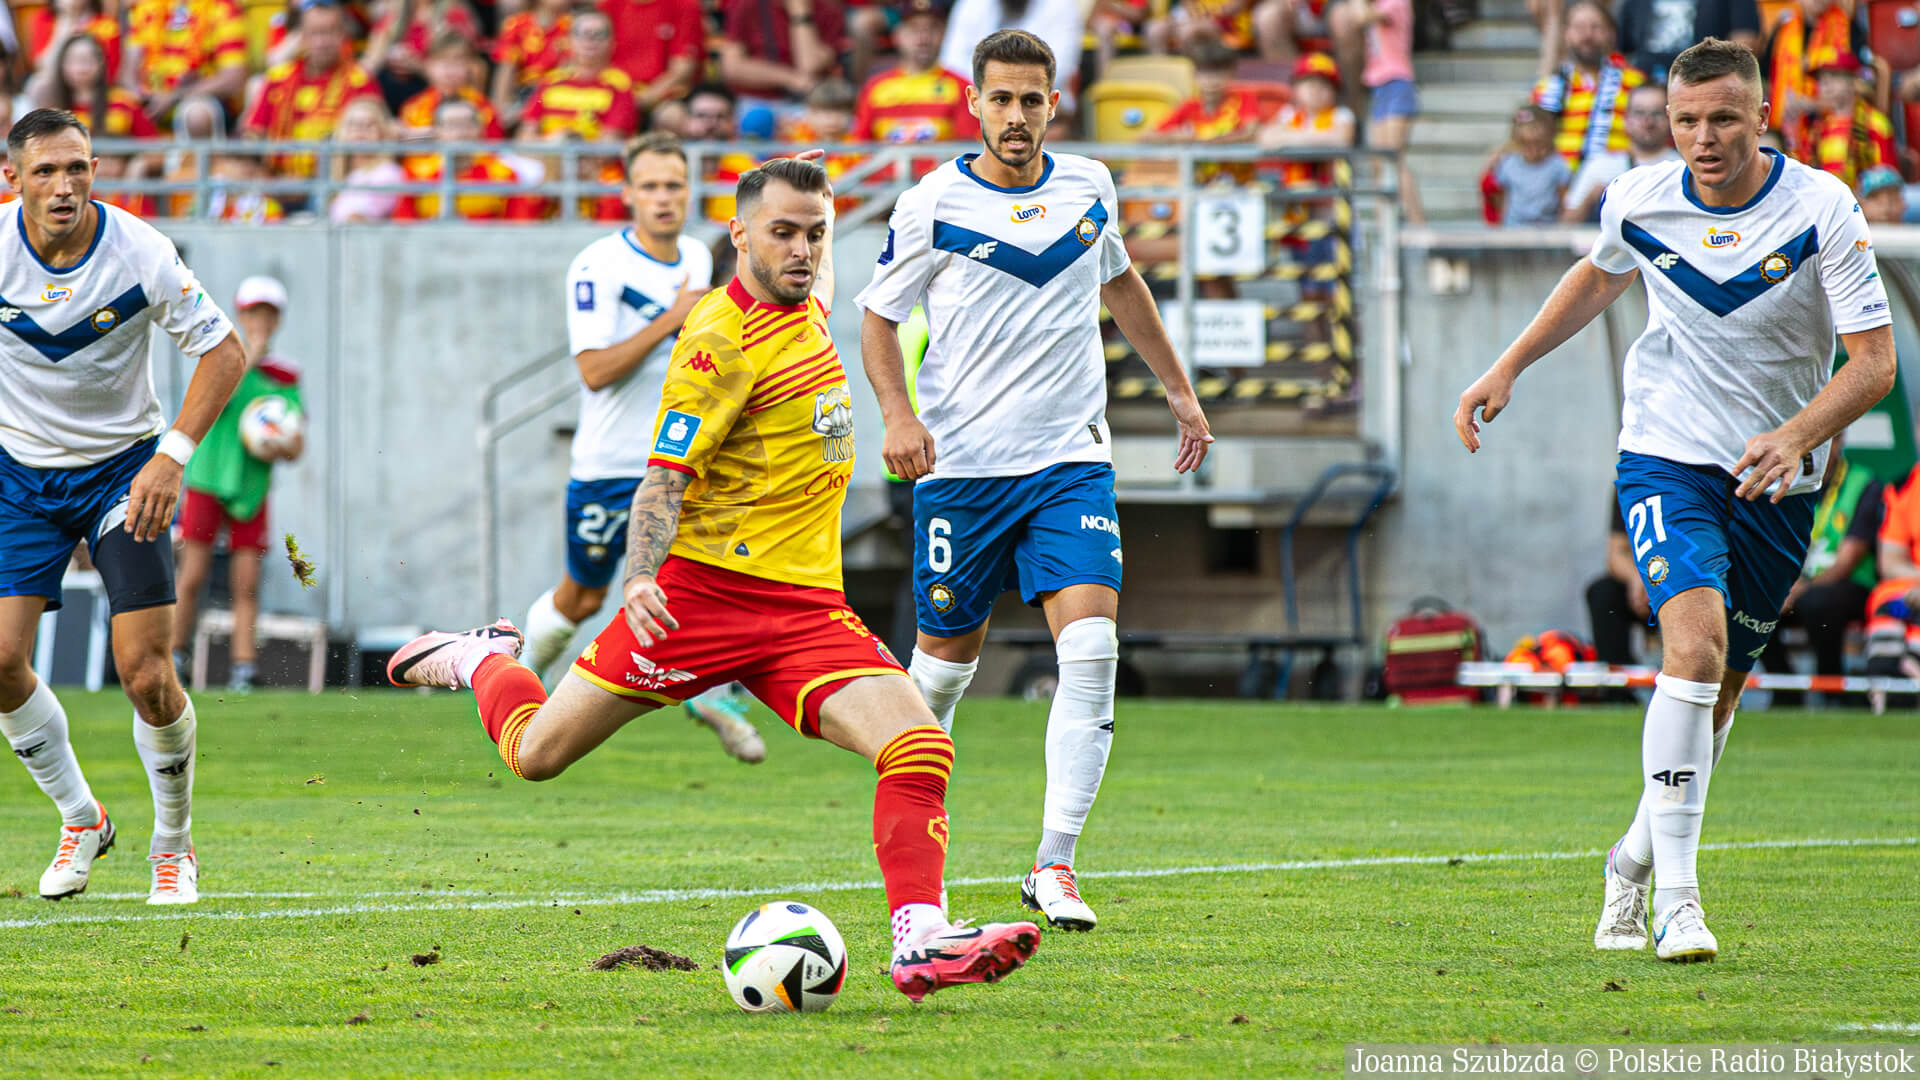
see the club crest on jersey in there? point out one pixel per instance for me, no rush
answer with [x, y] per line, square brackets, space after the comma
[940, 597]
[1087, 231]
[1656, 569]
[1775, 268]
[105, 319]
[1027, 213]
[833, 422]
[54, 294]
[1720, 238]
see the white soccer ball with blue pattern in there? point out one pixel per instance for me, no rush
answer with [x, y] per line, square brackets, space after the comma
[785, 957]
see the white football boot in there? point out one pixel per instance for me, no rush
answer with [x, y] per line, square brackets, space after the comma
[1681, 935]
[725, 711]
[176, 879]
[73, 859]
[433, 658]
[1623, 915]
[1053, 892]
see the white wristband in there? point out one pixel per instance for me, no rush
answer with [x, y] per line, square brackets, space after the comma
[177, 445]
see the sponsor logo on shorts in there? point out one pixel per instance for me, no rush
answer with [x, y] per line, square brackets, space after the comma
[648, 675]
[1720, 238]
[1087, 231]
[1656, 569]
[833, 422]
[1775, 268]
[583, 296]
[1100, 523]
[941, 597]
[1027, 213]
[1741, 618]
[677, 431]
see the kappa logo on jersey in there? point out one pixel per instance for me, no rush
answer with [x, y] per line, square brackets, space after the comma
[583, 296]
[677, 430]
[833, 422]
[1719, 238]
[702, 361]
[1028, 213]
[983, 250]
[1666, 261]
[54, 294]
[651, 676]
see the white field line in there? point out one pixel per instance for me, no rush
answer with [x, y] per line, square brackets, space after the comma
[361, 905]
[1904, 1029]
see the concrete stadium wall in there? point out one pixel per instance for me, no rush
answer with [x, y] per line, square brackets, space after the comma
[400, 329]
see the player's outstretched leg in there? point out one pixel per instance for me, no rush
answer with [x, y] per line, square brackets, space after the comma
[882, 718]
[1079, 738]
[37, 731]
[724, 709]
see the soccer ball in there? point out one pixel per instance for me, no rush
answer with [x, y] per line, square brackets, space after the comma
[268, 424]
[785, 957]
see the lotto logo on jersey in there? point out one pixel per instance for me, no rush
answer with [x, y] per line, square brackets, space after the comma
[677, 430]
[54, 294]
[1720, 238]
[1028, 213]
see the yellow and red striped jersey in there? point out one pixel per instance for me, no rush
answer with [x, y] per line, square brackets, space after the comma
[914, 106]
[178, 38]
[1592, 109]
[756, 409]
[535, 50]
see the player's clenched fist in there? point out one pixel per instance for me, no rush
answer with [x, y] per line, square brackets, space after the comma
[151, 498]
[646, 610]
[908, 449]
[1488, 395]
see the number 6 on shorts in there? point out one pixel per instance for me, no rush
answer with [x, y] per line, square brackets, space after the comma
[939, 548]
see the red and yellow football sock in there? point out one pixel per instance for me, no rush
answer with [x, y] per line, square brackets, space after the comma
[910, 814]
[509, 693]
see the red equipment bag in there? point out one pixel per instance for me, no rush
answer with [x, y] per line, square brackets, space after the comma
[1425, 648]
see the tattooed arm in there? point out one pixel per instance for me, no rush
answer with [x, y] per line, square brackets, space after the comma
[650, 527]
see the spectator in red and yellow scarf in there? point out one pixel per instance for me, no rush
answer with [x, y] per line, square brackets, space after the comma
[1843, 133]
[1588, 94]
[1800, 34]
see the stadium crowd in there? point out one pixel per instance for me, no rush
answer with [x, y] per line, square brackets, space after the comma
[1843, 90]
[181, 73]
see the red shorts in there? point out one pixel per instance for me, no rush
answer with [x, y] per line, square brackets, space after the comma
[201, 517]
[789, 645]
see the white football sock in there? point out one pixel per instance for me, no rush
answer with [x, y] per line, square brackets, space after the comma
[1633, 855]
[941, 683]
[37, 731]
[912, 923]
[548, 633]
[1676, 756]
[1079, 732]
[167, 752]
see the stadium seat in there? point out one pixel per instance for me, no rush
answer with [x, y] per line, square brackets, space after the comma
[1170, 71]
[1893, 27]
[1122, 110]
[309, 633]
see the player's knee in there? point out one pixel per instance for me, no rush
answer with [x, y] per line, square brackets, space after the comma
[1090, 640]
[149, 682]
[1699, 658]
[536, 762]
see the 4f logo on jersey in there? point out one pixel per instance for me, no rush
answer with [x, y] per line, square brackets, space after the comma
[1719, 238]
[9, 313]
[983, 251]
[702, 361]
[1666, 260]
[1028, 213]
[54, 294]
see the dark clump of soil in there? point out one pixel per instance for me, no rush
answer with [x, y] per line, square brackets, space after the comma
[644, 956]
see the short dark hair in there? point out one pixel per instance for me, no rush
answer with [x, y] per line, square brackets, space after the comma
[653, 142]
[1011, 47]
[1605, 12]
[1209, 54]
[1713, 58]
[803, 176]
[713, 90]
[40, 123]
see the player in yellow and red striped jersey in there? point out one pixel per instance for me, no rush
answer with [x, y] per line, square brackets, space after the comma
[736, 528]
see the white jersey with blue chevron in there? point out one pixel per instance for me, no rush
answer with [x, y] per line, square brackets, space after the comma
[1743, 304]
[613, 291]
[76, 385]
[1015, 379]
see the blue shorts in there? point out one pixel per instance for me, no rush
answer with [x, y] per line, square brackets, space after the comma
[1396, 97]
[49, 511]
[597, 528]
[976, 537]
[1688, 530]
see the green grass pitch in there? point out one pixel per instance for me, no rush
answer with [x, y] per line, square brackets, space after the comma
[342, 835]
